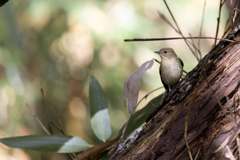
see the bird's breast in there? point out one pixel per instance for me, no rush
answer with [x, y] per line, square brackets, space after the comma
[171, 71]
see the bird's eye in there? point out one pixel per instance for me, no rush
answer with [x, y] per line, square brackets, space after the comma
[165, 51]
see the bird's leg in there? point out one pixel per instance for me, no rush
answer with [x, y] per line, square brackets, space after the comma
[163, 97]
[183, 77]
[169, 88]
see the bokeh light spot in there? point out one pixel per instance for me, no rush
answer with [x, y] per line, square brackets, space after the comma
[77, 108]
[78, 45]
[109, 55]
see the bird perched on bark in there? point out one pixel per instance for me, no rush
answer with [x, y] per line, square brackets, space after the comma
[171, 68]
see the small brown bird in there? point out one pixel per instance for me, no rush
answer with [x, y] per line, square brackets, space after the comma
[171, 68]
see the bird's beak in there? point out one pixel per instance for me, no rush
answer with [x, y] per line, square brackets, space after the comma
[156, 52]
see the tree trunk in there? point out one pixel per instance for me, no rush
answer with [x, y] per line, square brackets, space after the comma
[210, 127]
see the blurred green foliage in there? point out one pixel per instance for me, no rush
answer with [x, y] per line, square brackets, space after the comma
[51, 44]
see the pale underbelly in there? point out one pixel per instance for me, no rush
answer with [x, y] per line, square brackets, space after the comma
[171, 74]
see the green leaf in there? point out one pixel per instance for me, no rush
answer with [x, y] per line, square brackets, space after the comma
[139, 117]
[48, 143]
[100, 119]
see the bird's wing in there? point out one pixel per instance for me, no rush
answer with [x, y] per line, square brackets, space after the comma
[180, 61]
[164, 84]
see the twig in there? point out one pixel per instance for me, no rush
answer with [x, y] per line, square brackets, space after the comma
[197, 154]
[234, 125]
[167, 21]
[179, 30]
[200, 33]
[59, 120]
[218, 20]
[45, 129]
[231, 114]
[68, 155]
[164, 18]
[196, 49]
[186, 121]
[153, 105]
[58, 128]
[38, 120]
[185, 71]
[145, 97]
[233, 13]
[173, 38]
[72, 156]
[46, 111]
[157, 61]
[227, 28]
[125, 127]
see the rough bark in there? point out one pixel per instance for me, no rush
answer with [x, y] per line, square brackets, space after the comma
[209, 127]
